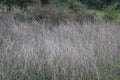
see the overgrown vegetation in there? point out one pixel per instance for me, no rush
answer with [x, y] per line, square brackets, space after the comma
[40, 51]
[109, 9]
[59, 40]
[111, 12]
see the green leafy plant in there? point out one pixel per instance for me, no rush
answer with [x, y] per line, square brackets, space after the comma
[111, 11]
[75, 5]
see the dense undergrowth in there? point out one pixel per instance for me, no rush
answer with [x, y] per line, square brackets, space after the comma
[59, 40]
[55, 44]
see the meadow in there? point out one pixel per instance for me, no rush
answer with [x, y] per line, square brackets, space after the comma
[31, 49]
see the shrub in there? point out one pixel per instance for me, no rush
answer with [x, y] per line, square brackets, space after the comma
[111, 11]
[72, 4]
[75, 5]
[96, 4]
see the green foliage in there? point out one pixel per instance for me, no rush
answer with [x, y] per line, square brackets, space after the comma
[21, 3]
[59, 3]
[99, 4]
[110, 12]
[75, 5]
[72, 4]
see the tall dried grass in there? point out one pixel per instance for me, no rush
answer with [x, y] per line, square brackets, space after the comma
[70, 51]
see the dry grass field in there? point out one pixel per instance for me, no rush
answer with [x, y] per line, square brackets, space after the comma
[68, 51]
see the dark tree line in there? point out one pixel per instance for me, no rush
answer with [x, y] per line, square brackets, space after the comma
[97, 4]
[23, 3]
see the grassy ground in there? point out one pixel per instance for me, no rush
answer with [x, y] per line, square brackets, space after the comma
[39, 50]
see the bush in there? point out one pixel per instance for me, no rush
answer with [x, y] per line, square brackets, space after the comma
[111, 11]
[99, 4]
[75, 5]
[71, 4]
